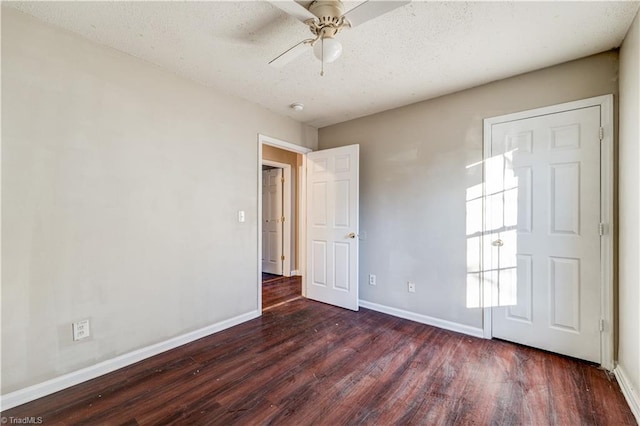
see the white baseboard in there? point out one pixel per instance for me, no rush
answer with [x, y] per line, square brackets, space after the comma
[630, 394]
[295, 272]
[39, 390]
[423, 319]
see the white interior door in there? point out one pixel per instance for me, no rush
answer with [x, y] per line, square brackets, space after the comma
[272, 229]
[332, 226]
[543, 216]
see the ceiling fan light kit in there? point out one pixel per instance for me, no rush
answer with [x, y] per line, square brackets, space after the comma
[327, 50]
[325, 19]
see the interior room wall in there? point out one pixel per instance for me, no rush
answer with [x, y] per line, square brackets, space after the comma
[419, 164]
[121, 186]
[629, 209]
[294, 160]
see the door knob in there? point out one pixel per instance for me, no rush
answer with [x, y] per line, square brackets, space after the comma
[352, 235]
[497, 243]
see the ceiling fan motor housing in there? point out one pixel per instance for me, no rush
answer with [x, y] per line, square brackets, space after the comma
[329, 14]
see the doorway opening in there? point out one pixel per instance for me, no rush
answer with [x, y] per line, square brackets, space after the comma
[325, 249]
[280, 209]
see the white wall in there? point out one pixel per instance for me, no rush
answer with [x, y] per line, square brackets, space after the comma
[629, 209]
[417, 164]
[120, 190]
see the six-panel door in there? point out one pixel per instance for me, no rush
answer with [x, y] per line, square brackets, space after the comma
[543, 214]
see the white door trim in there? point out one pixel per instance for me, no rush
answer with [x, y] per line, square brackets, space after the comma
[606, 212]
[286, 212]
[302, 205]
[279, 143]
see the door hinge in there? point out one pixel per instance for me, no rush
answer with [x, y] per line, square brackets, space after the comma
[601, 133]
[602, 228]
[282, 177]
[282, 257]
[601, 324]
[282, 218]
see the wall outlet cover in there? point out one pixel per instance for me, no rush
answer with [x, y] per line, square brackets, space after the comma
[81, 329]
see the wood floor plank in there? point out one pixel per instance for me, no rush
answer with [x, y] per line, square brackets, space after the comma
[305, 362]
[280, 290]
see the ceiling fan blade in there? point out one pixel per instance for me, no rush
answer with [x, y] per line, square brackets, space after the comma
[371, 9]
[290, 54]
[294, 9]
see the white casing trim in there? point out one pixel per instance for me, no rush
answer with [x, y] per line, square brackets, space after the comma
[279, 143]
[629, 393]
[423, 319]
[39, 390]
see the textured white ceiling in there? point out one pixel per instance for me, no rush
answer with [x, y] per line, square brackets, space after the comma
[419, 51]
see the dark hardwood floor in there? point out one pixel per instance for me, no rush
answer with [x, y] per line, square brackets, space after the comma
[266, 277]
[278, 290]
[305, 363]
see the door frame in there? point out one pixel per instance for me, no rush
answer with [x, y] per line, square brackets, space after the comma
[286, 212]
[606, 214]
[302, 212]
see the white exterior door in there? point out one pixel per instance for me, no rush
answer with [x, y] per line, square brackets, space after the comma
[542, 257]
[272, 221]
[332, 226]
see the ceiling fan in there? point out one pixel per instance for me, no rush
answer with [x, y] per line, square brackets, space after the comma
[325, 19]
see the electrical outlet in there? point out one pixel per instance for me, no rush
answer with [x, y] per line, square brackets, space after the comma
[411, 286]
[372, 279]
[81, 330]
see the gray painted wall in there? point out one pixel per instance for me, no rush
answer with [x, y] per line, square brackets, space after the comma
[629, 230]
[120, 190]
[418, 166]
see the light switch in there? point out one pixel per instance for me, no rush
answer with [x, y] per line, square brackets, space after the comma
[240, 215]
